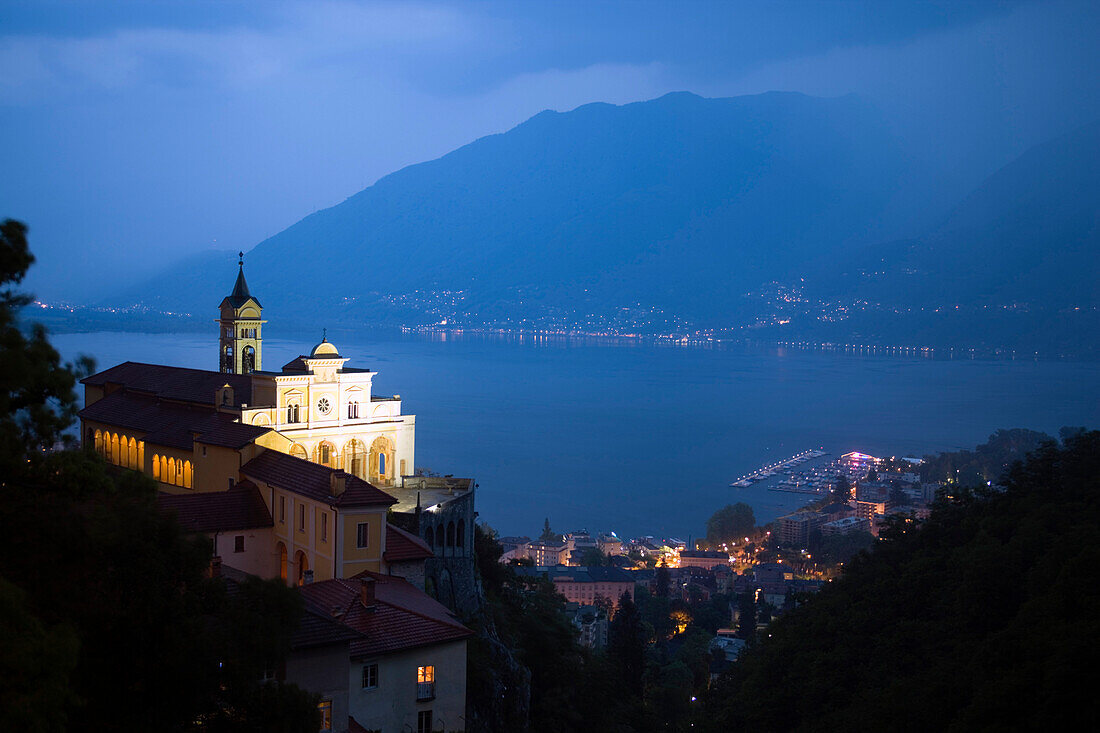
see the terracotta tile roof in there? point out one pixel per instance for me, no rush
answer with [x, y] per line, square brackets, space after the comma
[317, 627]
[241, 507]
[176, 383]
[403, 616]
[402, 545]
[171, 423]
[312, 480]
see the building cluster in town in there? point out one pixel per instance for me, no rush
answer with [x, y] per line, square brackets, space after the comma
[306, 474]
[876, 494]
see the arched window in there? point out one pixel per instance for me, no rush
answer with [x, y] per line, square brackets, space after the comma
[429, 536]
[170, 477]
[326, 454]
[124, 452]
[141, 455]
[298, 452]
[133, 462]
[248, 359]
[439, 536]
[179, 472]
[450, 534]
[187, 477]
[382, 465]
[353, 409]
[156, 467]
[282, 560]
[460, 537]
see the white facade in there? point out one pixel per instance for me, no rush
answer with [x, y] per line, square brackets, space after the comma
[331, 417]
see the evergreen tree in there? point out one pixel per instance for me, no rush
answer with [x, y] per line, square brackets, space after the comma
[626, 644]
[842, 490]
[547, 533]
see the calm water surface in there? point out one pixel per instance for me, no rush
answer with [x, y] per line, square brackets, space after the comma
[645, 439]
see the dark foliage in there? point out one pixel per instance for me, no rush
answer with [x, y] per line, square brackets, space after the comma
[109, 619]
[730, 523]
[987, 462]
[986, 617]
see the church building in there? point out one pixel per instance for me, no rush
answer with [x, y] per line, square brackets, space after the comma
[327, 456]
[305, 474]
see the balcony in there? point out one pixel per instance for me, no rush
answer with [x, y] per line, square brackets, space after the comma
[425, 691]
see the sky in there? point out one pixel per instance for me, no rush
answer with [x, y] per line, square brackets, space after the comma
[136, 133]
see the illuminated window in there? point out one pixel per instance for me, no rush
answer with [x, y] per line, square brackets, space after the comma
[370, 676]
[425, 683]
[362, 535]
[424, 721]
[325, 708]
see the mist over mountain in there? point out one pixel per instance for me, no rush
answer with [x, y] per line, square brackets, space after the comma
[762, 216]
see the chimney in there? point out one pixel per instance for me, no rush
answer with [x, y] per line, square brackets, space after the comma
[338, 482]
[216, 566]
[307, 577]
[366, 592]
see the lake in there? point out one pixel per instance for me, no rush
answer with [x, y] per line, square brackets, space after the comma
[644, 439]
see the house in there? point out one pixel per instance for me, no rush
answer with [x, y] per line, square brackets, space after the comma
[400, 655]
[703, 558]
[584, 585]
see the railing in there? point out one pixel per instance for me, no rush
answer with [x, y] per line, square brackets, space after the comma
[425, 691]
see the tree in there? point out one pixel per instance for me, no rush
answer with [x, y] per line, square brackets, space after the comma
[730, 523]
[661, 580]
[547, 533]
[37, 401]
[592, 557]
[842, 490]
[626, 644]
[961, 642]
[111, 599]
[746, 621]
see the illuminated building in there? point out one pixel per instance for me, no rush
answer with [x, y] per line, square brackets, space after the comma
[327, 456]
[304, 474]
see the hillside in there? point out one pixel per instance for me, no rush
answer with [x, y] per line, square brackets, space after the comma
[1014, 265]
[983, 618]
[681, 202]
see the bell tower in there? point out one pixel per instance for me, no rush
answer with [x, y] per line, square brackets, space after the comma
[240, 329]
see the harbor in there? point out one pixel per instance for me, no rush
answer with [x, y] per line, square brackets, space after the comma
[785, 466]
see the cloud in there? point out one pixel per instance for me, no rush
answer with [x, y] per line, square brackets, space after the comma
[297, 38]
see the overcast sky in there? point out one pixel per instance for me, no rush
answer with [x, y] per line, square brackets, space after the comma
[135, 133]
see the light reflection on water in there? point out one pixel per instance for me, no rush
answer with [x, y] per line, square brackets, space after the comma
[644, 440]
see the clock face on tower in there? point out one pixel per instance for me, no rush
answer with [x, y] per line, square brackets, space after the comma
[323, 406]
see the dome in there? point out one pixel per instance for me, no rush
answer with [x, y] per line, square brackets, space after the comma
[323, 349]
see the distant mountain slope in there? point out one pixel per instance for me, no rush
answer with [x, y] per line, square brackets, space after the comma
[681, 202]
[1030, 234]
